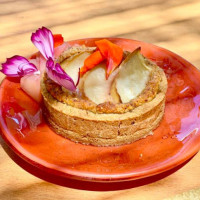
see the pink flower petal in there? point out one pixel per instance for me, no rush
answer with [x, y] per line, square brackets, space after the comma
[34, 62]
[58, 50]
[18, 66]
[58, 75]
[43, 40]
[42, 63]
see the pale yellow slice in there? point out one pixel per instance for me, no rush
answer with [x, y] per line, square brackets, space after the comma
[71, 66]
[96, 87]
[132, 77]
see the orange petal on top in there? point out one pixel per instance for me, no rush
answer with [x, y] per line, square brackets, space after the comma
[91, 61]
[112, 52]
[58, 40]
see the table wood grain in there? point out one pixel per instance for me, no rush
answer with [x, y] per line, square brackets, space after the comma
[172, 24]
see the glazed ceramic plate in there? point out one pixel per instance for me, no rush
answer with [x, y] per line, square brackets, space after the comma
[176, 139]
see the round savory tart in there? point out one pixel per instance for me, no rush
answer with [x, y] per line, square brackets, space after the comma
[106, 109]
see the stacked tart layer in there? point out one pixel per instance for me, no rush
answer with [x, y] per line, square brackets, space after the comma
[106, 111]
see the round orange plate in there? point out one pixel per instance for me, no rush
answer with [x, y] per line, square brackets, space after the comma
[176, 139]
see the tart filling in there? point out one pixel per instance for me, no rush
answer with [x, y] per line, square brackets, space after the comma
[89, 98]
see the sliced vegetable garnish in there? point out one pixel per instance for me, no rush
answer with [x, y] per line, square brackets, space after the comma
[43, 40]
[58, 40]
[91, 61]
[133, 76]
[96, 87]
[18, 66]
[106, 51]
[72, 66]
[58, 75]
[112, 52]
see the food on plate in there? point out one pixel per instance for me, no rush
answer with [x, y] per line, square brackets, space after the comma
[101, 95]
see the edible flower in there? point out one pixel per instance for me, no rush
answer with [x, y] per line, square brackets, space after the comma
[113, 54]
[91, 61]
[43, 40]
[18, 66]
[106, 50]
[58, 75]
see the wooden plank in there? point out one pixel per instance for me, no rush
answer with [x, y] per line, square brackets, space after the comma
[20, 44]
[67, 15]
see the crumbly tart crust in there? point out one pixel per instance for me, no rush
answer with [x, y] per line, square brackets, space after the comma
[105, 129]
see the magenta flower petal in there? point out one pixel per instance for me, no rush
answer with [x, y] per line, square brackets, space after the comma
[58, 75]
[43, 40]
[18, 66]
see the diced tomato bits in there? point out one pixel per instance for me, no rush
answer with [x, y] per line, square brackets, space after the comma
[112, 52]
[91, 61]
[58, 40]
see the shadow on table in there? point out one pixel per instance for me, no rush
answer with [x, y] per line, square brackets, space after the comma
[85, 185]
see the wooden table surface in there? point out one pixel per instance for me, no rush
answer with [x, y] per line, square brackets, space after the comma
[172, 24]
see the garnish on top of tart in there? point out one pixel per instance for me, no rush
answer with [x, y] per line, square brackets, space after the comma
[100, 95]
